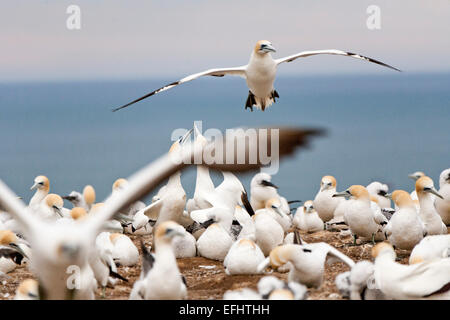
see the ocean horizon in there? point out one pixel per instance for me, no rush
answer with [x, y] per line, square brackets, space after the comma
[379, 127]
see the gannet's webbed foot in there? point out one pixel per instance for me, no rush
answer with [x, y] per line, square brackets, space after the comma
[250, 101]
[275, 95]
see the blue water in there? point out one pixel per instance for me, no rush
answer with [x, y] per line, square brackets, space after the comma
[379, 127]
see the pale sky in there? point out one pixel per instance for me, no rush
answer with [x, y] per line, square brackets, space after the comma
[149, 39]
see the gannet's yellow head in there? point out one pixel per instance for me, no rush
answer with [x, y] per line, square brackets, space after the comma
[308, 206]
[7, 237]
[78, 213]
[357, 192]
[29, 288]
[41, 183]
[247, 243]
[263, 47]
[402, 199]
[425, 185]
[119, 184]
[281, 255]
[167, 230]
[416, 175]
[114, 237]
[52, 200]
[328, 182]
[382, 247]
[89, 195]
[273, 203]
[281, 294]
[374, 199]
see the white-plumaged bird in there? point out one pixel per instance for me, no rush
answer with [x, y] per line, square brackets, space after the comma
[324, 202]
[259, 74]
[379, 191]
[415, 176]
[28, 289]
[160, 277]
[405, 229]
[85, 200]
[443, 205]
[56, 247]
[243, 257]
[431, 248]
[274, 207]
[261, 190]
[42, 186]
[268, 232]
[307, 219]
[428, 214]
[426, 280]
[359, 216]
[124, 251]
[308, 261]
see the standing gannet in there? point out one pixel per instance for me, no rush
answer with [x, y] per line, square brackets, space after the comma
[428, 214]
[28, 289]
[42, 186]
[426, 280]
[261, 190]
[324, 202]
[203, 183]
[443, 205]
[379, 191]
[405, 229]
[160, 278]
[274, 206]
[359, 216]
[415, 176]
[259, 74]
[307, 219]
[124, 251]
[59, 246]
[308, 261]
[431, 248]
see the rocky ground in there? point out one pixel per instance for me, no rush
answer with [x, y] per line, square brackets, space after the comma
[206, 278]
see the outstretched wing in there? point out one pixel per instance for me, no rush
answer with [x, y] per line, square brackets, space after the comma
[304, 54]
[218, 72]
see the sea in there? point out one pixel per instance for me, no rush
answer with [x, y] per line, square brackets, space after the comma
[378, 127]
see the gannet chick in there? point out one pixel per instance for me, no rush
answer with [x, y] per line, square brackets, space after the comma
[185, 246]
[426, 280]
[275, 208]
[243, 257]
[259, 74]
[443, 205]
[379, 191]
[85, 200]
[27, 290]
[415, 176]
[215, 242]
[268, 232]
[359, 216]
[42, 186]
[358, 283]
[431, 248]
[124, 252]
[324, 203]
[308, 261]
[307, 219]
[428, 214]
[160, 277]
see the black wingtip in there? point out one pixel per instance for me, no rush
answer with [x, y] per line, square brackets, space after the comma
[247, 204]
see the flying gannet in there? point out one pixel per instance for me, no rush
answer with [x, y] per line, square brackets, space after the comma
[259, 74]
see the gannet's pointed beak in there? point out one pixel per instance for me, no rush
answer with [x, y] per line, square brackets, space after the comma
[388, 195]
[412, 176]
[433, 191]
[268, 48]
[68, 198]
[18, 249]
[34, 186]
[341, 194]
[268, 184]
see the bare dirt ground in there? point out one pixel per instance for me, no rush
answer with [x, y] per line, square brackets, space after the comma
[211, 283]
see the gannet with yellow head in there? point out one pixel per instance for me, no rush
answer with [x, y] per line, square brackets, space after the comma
[259, 74]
